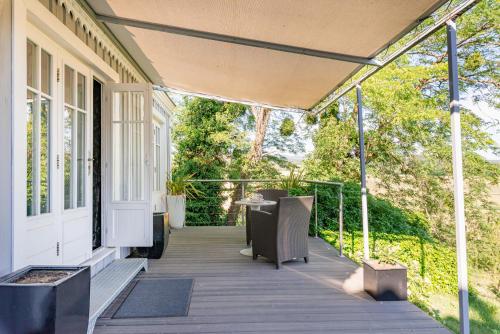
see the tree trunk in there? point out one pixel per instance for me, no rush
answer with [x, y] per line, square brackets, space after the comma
[262, 116]
[234, 209]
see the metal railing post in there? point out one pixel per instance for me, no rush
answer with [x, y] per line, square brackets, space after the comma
[341, 223]
[243, 220]
[315, 210]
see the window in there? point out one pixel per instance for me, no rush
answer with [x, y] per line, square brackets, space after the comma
[157, 157]
[74, 138]
[38, 114]
[128, 146]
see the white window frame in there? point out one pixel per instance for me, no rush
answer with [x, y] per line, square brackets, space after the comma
[74, 136]
[157, 156]
[36, 131]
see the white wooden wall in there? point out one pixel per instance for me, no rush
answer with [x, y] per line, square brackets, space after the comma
[5, 136]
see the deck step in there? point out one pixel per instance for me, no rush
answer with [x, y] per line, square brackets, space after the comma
[108, 283]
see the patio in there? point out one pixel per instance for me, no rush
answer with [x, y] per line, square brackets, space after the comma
[232, 293]
[85, 164]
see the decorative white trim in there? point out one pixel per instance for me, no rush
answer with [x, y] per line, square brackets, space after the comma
[84, 19]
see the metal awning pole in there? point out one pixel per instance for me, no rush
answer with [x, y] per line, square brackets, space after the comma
[458, 182]
[364, 202]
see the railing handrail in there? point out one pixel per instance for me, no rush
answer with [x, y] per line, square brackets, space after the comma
[315, 182]
[340, 184]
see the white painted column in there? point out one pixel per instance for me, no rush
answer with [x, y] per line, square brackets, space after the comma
[458, 181]
[364, 200]
[6, 136]
[19, 145]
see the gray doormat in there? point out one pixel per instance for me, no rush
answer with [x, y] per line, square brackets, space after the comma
[155, 298]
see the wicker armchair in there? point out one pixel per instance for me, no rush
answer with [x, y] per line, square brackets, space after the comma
[282, 235]
[270, 195]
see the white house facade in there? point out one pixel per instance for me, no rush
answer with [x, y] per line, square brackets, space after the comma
[85, 141]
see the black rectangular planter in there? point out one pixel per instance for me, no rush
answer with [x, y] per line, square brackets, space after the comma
[385, 282]
[161, 233]
[58, 307]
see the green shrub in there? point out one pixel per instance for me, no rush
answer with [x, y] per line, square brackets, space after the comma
[431, 265]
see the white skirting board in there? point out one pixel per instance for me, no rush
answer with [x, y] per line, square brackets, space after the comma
[107, 285]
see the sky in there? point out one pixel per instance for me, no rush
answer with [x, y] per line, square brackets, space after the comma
[481, 109]
[488, 114]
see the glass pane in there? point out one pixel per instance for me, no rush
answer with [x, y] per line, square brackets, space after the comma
[31, 65]
[44, 156]
[80, 162]
[157, 167]
[156, 136]
[69, 79]
[46, 65]
[118, 163]
[81, 91]
[137, 161]
[137, 110]
[68, 152]
[128, 146]
[120, 100]
[30, 176]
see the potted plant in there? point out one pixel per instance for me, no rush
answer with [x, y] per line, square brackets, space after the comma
[385, 279]
[293, 180]
[45, 299]
[178, 188]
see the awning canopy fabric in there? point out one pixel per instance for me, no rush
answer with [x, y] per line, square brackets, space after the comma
[359, 29]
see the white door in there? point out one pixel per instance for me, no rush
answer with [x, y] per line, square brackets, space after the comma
[128, 164]
[58, 198]
[76, 151]
[42, 240]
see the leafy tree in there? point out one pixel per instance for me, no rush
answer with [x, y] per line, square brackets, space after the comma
[216, 140]
[287, 127]
[205, 137]
[407, 136]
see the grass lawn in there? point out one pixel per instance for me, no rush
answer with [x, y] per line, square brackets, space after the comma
[484, 313]
[484, 306]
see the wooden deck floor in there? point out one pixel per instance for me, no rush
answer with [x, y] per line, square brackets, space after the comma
[234, 294]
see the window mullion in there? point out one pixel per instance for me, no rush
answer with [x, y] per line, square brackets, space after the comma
[74, 142]
[37, 131]
[128, 147]
[36, 154]
[74, 158]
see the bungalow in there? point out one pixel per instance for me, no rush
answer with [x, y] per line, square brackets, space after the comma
[85, 157]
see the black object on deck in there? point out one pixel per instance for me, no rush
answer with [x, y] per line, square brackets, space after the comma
[161, 233]
[155, 298]
[58, 307]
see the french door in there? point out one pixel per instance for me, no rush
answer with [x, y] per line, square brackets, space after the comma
[42, 240]
[128, 165]
[58, 174]
[75, 160]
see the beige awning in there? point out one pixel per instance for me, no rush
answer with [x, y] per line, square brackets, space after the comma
[358, 29]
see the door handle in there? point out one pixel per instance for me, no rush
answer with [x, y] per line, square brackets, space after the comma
[89, 165]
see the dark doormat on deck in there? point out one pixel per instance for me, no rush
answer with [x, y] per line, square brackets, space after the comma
[155, 298]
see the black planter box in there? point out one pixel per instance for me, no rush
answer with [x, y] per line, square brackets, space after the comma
[385, 282]
[58, 307]
[161, 233]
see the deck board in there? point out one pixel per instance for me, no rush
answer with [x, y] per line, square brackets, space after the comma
[234, 294]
